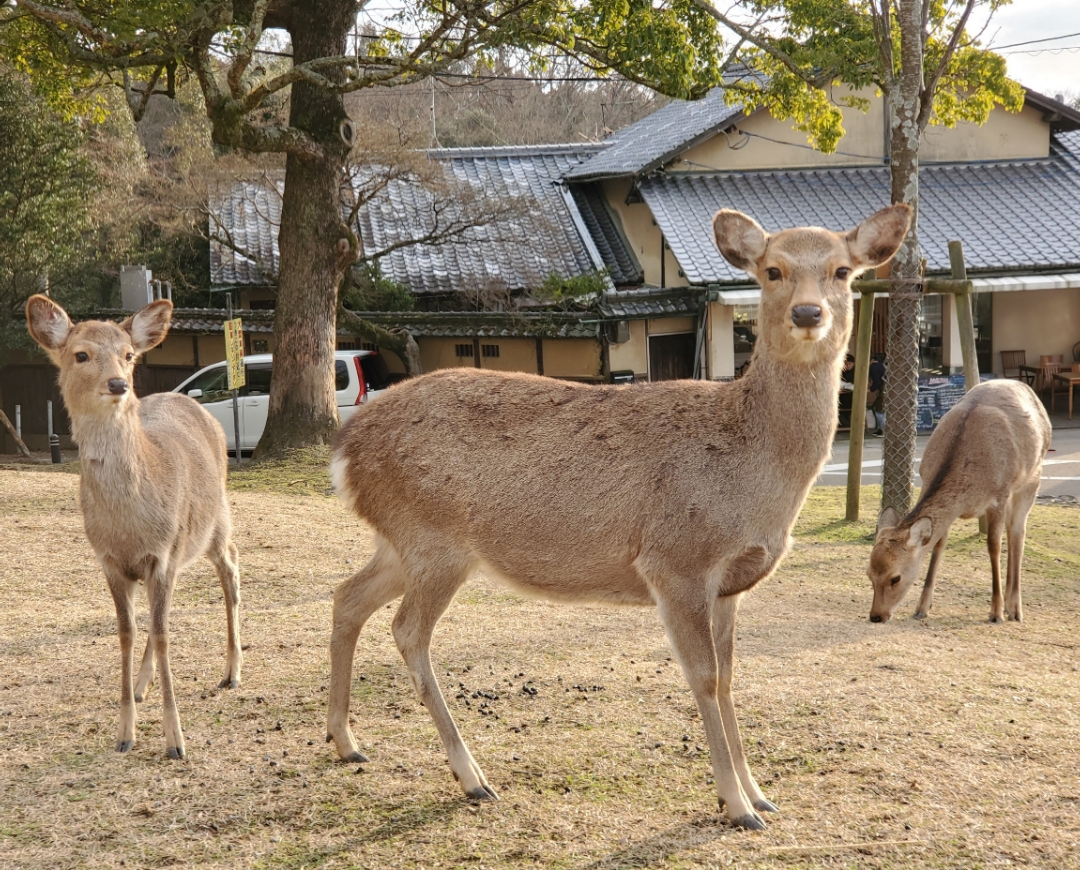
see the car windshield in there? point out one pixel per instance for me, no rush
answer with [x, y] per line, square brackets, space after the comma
[376, 374]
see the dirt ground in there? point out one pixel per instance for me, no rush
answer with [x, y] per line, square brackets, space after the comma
[941, 743]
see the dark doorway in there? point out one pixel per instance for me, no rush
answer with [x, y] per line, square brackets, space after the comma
[671, 357]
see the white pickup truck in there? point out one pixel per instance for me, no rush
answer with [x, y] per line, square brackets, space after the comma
[360, 375]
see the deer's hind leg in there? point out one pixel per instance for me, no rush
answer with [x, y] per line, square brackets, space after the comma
[432, 580]
[995, 522]
[926, 600]
[145, 677]
[226, 561]
[1016, 530]
[380, 581]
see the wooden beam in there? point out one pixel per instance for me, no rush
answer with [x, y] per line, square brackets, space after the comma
[858, 402]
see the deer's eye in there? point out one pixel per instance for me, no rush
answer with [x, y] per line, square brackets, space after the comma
[843, 272]
[773, 273]
[81, 357]
[129, 356]
[894, 581]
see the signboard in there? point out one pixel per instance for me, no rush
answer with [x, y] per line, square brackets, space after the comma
[234, 353]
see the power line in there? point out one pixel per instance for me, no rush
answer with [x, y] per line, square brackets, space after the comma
[1033, 41]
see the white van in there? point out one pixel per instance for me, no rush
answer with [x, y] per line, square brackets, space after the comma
[360, 375]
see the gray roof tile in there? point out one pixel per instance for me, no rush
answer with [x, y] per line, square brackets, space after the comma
[659, 137]
[650, 302]
[247, 214]
[1009, 215]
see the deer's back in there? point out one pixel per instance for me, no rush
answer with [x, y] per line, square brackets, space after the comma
[569, 473]
[990, 442]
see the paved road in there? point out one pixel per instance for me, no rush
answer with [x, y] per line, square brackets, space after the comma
[1060, 476]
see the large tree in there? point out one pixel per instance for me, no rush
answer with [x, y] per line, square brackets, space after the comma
[930, 68]
[148, 46]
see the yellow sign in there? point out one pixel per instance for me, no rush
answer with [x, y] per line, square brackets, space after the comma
[234, 353]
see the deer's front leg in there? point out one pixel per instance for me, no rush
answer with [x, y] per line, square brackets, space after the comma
[686, 616]
[723, 627]
[926, 600]
[122, 590]
[159, 585]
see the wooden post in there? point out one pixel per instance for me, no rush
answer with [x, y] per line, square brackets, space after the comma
[858, 403]
[966, 325]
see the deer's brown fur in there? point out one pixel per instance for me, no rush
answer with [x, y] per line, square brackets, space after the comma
[985, 457]
[680, 494]
[152, 490]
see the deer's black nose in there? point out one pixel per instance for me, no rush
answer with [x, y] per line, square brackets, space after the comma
[874, 617]
[118, 386]
[806, 315]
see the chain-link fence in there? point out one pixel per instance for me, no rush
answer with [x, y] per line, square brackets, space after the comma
[898, 473]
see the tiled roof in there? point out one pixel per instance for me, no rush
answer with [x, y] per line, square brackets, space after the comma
[489, 324]
[248, 215]
[649, 302]
[539, 228]
[659, 137]
[607, 235]
[485, 324]
[1010, 216]
[540, 234]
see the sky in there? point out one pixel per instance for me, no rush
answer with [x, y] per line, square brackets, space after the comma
[1056, 68]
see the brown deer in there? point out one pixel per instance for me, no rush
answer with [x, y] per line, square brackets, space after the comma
[152, 491]
[679, 494]
[985, 457]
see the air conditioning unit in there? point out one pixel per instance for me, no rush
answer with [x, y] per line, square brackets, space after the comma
[617, 331]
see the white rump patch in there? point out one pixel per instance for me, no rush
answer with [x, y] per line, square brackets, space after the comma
[338, 467]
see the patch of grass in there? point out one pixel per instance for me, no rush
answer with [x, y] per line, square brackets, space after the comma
[302, 472]
[945, 743]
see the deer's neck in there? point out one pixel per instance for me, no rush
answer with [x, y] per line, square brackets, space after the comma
[113, 450]
[793, 402]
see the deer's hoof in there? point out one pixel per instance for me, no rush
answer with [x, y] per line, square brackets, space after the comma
[125, 745]
[766, 806]
[229, 683]
[357, 757]
[483, 793]
[176, 753]
[749, 822]
[139, 698]
[920, 614]
[995, 620]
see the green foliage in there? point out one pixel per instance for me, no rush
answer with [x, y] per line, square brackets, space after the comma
[370, 291]
[567, 293]
[47, 184]
[818, 43]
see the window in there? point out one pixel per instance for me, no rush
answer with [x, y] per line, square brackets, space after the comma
[341, 375]
[258, 380]
[376, 374]
[489, 350]
[463, 350]
[260, 345]
[213, 384]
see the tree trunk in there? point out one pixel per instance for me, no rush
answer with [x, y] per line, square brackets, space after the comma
[898, 473]
[316, 246]
[400, 341]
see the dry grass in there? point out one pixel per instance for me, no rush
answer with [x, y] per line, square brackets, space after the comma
[944, 743]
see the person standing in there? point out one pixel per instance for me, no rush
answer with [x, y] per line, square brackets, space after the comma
[875, 396]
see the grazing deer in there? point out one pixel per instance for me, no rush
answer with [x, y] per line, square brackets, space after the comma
[152, 490]
[985, 456]
[679, 494]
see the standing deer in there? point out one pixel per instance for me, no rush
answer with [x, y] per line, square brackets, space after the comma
[679, 494]
[985, 456]
[152, 490]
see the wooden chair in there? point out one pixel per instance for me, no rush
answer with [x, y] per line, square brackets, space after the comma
[1049, 365]
[1011, 360]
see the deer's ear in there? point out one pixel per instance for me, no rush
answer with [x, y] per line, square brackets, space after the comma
[47, 323]
[740, 238]
[877, 238]
[920, 533]
[888, 519]
[149, 326]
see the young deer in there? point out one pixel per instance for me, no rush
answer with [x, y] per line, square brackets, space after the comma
[984, 457]
[152, 491]
[679, 494]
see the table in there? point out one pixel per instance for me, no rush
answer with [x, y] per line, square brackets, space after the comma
[1032, 374]
[1070, 379]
